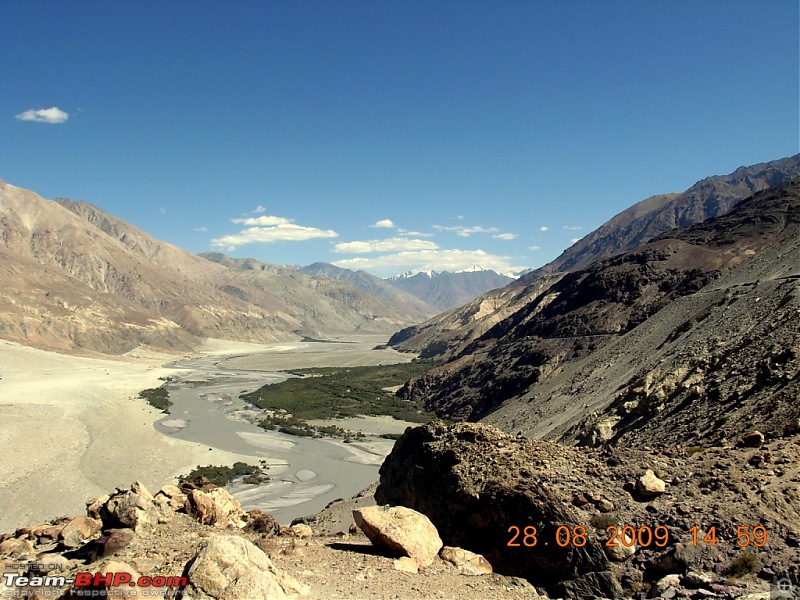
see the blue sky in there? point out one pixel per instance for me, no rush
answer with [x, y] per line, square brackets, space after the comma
[389, 135]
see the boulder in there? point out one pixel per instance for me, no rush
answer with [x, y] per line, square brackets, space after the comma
[406, 565]
[262, 522]
[301, 530]
[649, 486]
[16, 548]
[625, 548]
[137, 487]
[476, 484]
[400, 530]
[52, 561]
[231, 568]
[604, 505]
[93, 506]
[114, 540]
[754, 439]
[215, 507]
[128, 509]
[77, 531]
[172, 496]
[467, 562]
[46, 532]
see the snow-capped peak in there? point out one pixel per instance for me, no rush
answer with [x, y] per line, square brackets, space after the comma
[473, 269]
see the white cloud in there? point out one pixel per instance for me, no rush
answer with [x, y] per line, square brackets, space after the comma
[162, 210]
[505, 236]
[266, 220]
[534, 248]
[387, 245]
[462, 231]
[259, 209]
[383, 223]
[544, 228]
[435, 260]
[200, 229]
[402, 231]
[575, 240]
[45, 115]
[268, 229]
[573, 228]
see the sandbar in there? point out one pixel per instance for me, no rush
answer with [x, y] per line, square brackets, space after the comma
[73, 428]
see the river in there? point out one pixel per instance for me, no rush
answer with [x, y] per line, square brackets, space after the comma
[305, 474]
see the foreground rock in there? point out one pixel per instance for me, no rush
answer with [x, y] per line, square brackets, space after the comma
[216, 507]
[466, 561]
[481, 489]
[400, 530]
[231, 568]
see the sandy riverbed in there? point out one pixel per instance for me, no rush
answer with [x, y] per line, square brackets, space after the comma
[73, 429]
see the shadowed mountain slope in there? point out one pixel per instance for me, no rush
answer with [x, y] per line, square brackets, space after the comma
[448, 333]
[591, 308]
[635, 226]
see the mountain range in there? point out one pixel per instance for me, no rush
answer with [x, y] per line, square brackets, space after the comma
[73, 277]
[691, 337]
[643, 221]
[448, 333]
[445, 290]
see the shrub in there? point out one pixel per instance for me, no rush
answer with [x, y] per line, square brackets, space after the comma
[604, 520]
[157, 397]
[744, 565]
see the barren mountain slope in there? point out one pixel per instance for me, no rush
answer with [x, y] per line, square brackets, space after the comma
[588, 309]
[325, 306]
[709, 197]
[76, 277]
[710, 367]
[446, 333]
[107, 298]
[405, 302]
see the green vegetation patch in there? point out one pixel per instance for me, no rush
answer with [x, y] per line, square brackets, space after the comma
[222, 476]
[338, 393]
[158, 397]
[744, 565]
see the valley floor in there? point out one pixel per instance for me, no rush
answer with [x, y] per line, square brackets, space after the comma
[73, 428]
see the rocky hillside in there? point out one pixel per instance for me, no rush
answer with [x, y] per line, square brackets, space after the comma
[709, 197]
[327, 305]
[446, 334]
[445, 290]
[74, 277]
[473, 513]
[585, 311]
[449, 333]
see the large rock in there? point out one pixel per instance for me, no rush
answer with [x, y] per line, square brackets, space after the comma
[466, 561]
[171, 495]
[400, 530]
[16, 548]
[262, 522]
[129, 509]
[215, 507]
[649, 485]
[231, 568]
[475, 482]
[78, 531]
